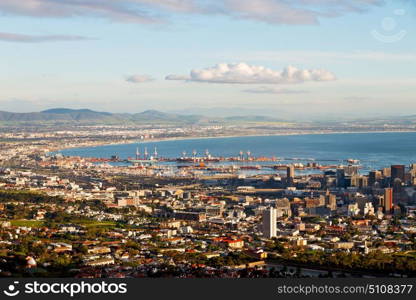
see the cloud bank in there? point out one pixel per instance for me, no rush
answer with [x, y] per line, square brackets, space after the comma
[139, 78]
[24, 38]
[272, 90]
[243, 73]
[156, 11]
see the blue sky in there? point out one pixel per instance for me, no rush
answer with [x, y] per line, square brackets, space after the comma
[342, 58]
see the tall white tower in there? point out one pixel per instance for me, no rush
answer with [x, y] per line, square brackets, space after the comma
[269, 222]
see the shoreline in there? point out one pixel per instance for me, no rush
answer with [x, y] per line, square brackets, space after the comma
[158, 140]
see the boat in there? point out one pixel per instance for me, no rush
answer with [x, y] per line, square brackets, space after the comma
[353, 161]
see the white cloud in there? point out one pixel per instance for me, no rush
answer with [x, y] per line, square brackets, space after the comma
[24, 38]
[154, 11]
[130, 11]
[295, 11]
[177, 77]
[273, 90]
[139, 78]
[182, 6]
[244, 73]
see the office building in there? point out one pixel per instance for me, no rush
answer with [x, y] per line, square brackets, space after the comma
[269, 222]
[340, 177]
[290, 174]
[388, 200]
[373, 177]
[331, 202]
[397, 172]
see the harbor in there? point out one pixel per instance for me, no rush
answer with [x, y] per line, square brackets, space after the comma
[243, 163]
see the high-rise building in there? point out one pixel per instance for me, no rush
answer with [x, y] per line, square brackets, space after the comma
[412, 173]
[332, 202]
[386, 172]
[290, 174]
[340, 177]
[283, 207]
[351, 170]
[322, 200]
[397, 172]
[363, 181]
[356, 180]
[269, 222]
[388, 200]
[373, 177]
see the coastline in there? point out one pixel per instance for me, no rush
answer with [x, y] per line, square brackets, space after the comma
[169, 139]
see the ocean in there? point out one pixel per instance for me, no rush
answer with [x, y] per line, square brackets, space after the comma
[374, 150]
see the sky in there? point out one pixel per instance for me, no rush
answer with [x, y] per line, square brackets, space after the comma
[298, 59]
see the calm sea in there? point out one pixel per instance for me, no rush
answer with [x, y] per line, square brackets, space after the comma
[374, 150]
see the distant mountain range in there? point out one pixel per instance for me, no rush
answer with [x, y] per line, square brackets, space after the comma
[88, 116]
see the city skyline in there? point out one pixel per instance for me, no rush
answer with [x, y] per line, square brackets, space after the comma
[309, 59]
[207, 139]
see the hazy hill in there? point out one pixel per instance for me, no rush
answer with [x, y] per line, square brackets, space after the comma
[81, 114]
[158, 116]
[88, 116]
[251, 119]
[61, 115]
